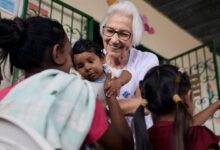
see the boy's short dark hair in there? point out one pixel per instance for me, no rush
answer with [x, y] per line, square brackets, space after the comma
[84, 45]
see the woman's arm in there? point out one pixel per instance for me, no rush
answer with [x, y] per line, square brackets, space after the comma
[129, 106]
[201, 117]
[118, 134]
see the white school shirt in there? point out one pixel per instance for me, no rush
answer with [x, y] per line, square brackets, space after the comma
[138, 65]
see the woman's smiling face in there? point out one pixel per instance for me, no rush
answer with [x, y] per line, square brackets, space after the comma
[114, 45]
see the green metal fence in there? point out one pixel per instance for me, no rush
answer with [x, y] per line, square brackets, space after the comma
[201, 65]
[76, 23]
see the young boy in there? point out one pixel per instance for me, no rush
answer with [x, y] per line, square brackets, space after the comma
[88, 59]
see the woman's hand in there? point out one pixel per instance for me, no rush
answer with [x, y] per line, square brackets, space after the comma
[129, 106]
[140, 100]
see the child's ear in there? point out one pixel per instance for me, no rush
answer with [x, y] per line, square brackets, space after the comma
[58, 55]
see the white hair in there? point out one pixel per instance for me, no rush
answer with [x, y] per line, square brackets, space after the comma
[129, 9]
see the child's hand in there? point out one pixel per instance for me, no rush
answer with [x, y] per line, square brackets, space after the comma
[115, 86]
[112, 86]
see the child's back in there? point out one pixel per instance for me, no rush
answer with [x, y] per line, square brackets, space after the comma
[200, 137]
[167, 94]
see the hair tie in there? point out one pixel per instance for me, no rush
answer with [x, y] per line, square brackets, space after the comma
[144, 102]
[182, 70]
[176, 98]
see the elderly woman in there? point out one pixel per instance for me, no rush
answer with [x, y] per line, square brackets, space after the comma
[121, 30]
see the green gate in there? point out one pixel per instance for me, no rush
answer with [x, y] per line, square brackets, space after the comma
[76, 23]
[201, 65]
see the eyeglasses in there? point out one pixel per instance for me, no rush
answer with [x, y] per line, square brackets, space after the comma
[122, 34]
